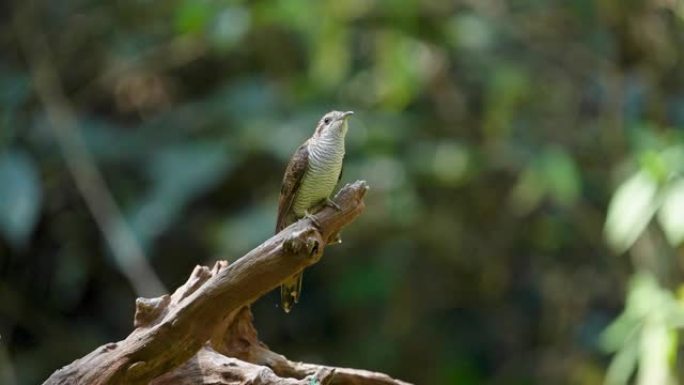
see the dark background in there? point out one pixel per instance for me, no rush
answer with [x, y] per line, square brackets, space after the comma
[525, 160]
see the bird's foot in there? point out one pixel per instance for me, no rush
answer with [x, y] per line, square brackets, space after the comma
[331, 203]
[312, 218]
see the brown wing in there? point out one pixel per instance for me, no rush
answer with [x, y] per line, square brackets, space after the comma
[291, 181]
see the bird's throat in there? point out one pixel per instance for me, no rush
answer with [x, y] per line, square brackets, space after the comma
[326, 149]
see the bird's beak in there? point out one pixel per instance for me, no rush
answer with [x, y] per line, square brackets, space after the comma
[347, 114]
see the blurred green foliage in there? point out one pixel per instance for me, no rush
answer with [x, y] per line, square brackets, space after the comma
[645, 334]
[525, 163]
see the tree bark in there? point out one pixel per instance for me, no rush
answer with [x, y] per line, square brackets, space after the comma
[203, 332]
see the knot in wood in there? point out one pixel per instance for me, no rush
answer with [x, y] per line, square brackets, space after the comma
[305, 242]
[110, 346]
[199, 276]
[136, 369]
[149, 309]
[219, 266]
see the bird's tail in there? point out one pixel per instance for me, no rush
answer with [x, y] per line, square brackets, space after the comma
[290, 291]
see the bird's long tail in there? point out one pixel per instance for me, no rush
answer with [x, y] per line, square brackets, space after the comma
[290, 291]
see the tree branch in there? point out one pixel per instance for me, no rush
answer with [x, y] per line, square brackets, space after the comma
[212, 309]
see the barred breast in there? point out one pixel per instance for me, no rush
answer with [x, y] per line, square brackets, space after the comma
[320, 179]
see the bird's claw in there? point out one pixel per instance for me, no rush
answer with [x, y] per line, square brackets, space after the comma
[312, 218]
[331, 203]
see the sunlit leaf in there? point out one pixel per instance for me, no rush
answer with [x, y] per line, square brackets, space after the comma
[671, 213]
[630, 210]
[20, 197]
[654, 163]
[622, 366]
[656, 340]
[402, 66]
[673, 157]
[644, 335]
[620, 333]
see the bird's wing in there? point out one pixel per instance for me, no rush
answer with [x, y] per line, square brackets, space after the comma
[293, 177]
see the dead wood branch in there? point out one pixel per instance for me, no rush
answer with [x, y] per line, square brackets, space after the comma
[203, 332]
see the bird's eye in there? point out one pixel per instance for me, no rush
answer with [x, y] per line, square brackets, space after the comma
[326, 120]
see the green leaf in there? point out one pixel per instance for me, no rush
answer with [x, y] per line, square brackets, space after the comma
[654, 163]
[673, 157]
[671, 213]
[656, 342]
[630, 210]
[20, 197]
[402, 66]
[621, 332]
[644, 335]
[622, 366]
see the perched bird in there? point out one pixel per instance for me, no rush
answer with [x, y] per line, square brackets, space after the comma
[310, 178]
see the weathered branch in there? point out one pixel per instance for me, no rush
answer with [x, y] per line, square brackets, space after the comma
[210, 367]
[211, 308]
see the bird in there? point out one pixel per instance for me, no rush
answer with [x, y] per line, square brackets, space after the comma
[310, 178]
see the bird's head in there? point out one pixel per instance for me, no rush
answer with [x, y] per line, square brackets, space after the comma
[333, 124]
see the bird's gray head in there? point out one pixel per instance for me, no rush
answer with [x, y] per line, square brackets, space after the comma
[333, 124]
